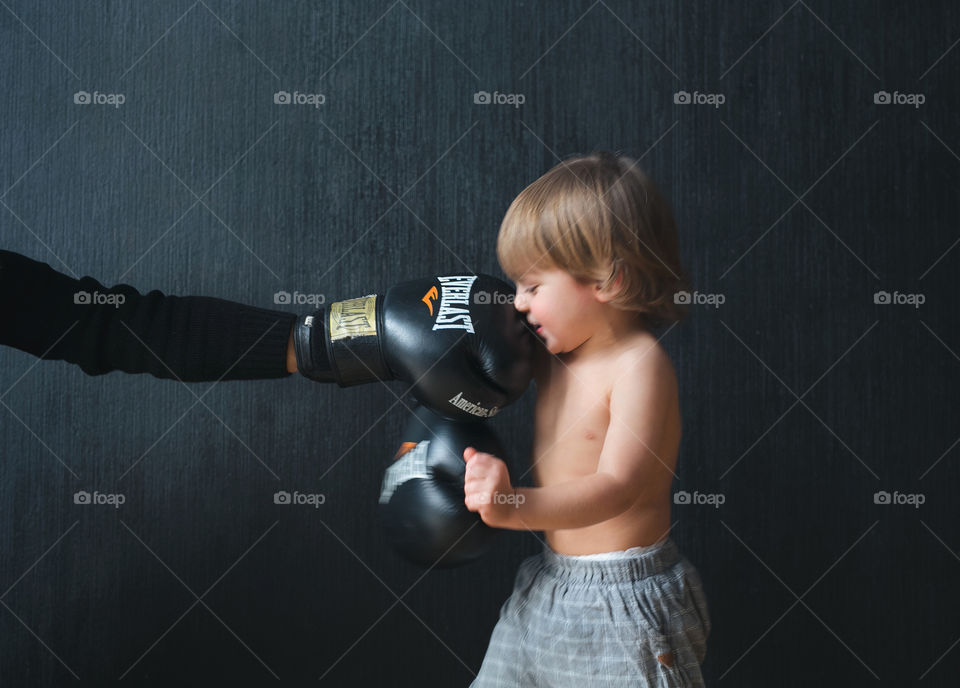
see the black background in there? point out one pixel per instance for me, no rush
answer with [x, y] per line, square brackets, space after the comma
[797, 200]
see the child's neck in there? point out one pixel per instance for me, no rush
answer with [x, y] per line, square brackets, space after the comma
[612, 331]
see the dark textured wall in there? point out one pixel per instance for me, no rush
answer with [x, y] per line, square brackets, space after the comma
[798, 199]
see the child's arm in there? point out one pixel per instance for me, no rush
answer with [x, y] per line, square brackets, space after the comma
[639, 403]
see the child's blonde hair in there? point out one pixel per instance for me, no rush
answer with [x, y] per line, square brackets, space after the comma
[598, 217]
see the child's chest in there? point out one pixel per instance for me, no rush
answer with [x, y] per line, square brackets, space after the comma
[571, 419]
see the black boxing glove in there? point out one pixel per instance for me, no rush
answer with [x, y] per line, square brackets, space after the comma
[456, 339]
[421, 498]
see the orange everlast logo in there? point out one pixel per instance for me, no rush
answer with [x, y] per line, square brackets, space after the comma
[454, 311]
[429, 298]
[404, 448]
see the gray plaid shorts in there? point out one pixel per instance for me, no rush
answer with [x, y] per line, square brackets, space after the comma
[632, 618]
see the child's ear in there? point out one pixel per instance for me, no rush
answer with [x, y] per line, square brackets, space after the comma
[605, 295]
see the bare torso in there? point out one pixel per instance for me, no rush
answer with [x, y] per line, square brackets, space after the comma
[572, 416]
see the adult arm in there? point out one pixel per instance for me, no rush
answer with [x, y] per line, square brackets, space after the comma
[194, 338]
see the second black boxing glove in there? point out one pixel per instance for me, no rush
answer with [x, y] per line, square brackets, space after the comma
[421, 498]
[456, 339]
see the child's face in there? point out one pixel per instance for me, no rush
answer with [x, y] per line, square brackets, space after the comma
[562, 310]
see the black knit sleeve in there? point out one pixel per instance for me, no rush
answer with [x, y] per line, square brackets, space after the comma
[193, 338]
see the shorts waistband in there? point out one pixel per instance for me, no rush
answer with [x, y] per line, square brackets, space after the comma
[649, 562]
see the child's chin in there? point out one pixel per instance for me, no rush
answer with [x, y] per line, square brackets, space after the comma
[552, 345]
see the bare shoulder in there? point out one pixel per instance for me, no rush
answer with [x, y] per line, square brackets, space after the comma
[643, 360]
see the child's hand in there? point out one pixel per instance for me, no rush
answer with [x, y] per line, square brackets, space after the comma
[487, 488]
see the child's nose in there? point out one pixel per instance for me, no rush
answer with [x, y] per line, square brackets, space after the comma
[519, 303]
